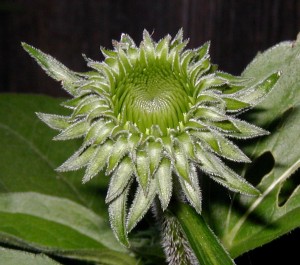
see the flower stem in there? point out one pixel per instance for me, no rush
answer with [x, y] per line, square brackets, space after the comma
[206, 246]
[174, 242]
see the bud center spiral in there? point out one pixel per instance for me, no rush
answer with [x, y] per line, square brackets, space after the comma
[151, 95]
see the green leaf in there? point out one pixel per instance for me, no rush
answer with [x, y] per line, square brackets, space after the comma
[29, 157]
[229, 150]
[203, 241]
[253, 221]
[192, 191]
[76, 130]
[256, 93]
[54, 68]
[117, 214]
[13, 257]
[98, 161]
[163, 177]
[119, 179]
[221, 145]
[44, 211]
[94, 130]
[223, 174]
[104, 257]
[181, 163]
[41, 209]
[141, 205]
[94, 256]
[56, 122]
[143, 169]
[80, 159]
[58, 227]
[233, 105]
[154, 152]
[118, 151]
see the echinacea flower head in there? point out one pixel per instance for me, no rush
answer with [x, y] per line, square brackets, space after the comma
[151, 115]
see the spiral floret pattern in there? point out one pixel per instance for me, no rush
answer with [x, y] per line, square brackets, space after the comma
[153, 114]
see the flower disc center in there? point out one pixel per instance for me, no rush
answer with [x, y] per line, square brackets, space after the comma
[152, 95]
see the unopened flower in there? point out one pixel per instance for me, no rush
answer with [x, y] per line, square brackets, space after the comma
[152, 114]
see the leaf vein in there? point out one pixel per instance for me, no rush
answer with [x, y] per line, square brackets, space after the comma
[44, 158]
[257, 202]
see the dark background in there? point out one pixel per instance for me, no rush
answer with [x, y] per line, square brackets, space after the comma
[65, 29]
[238, 29]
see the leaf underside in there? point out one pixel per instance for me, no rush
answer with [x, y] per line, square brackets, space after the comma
[245, 223]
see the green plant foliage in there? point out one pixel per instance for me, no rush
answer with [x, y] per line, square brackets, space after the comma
[28, 162]
[202, 239]
[41, 210]
[50, 212]
[247, 222]
[75, 225]
[13, 257]
[158, 104]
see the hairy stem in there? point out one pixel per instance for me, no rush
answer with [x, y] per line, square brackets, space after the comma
[175, 245]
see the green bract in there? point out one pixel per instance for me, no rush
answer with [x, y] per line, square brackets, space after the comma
[153, 114]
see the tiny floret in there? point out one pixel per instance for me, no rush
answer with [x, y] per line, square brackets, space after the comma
[154, 115]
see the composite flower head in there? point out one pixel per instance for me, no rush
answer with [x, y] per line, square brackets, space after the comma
[150, 116]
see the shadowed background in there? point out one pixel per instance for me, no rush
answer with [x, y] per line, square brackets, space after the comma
[238, 29]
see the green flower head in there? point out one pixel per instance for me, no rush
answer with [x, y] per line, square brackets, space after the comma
[150, 116]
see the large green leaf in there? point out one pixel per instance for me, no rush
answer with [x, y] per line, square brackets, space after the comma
[246, 222]
[13, 257]
[29, 157]
[40, 209]
[75, 226]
